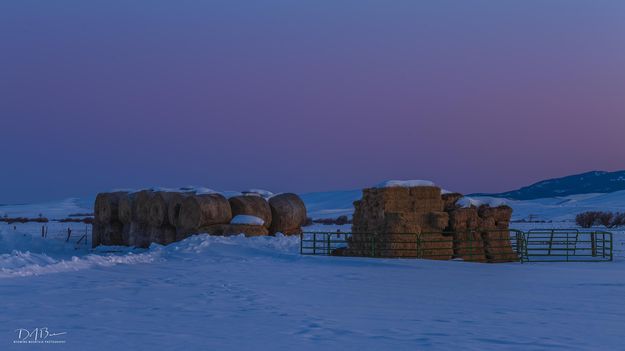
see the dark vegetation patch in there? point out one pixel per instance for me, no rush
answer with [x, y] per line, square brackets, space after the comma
[11, 220]
[340, 220]
[604, 218]
[88, 220]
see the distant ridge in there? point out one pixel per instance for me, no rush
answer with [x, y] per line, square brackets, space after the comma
[584, 183]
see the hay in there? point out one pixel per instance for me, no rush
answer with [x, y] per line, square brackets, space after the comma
[163, 235]
[158, 208]
[401, 222]
[438, 221]
[124, 209]
[106, 207]
[251, 205]
[449, 201]
[288, 213]
[96, 234]
[108, 234]
[141, 206]
[173, 207]
[138, 235]
[468, 244]
[494, 222]
[199, 211]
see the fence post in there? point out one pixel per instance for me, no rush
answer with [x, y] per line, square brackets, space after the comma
[593, 244]
[611, 243]
[373, 244]
[42, 232]
[69, 233]
[314, 243]
[329, 242]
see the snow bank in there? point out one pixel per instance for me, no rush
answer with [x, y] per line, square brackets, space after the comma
[24, 255]
[247, 219]
[405, 183]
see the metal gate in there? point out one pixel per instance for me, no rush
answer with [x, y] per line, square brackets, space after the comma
[567, 245]
[537, 245]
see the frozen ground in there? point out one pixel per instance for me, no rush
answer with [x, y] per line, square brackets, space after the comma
[212, 293]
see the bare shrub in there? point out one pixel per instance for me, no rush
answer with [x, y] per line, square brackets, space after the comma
[341, 220]
[618, 220]
[607, 219]
[585, 219]
[604, 218]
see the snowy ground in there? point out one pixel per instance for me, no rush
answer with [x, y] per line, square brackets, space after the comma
[239, 293]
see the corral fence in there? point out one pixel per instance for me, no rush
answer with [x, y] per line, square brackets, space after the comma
[536, 245]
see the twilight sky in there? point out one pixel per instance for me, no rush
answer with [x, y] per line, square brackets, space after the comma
[306, 95]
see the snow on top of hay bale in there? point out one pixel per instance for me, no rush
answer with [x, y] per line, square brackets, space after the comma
[258, 192]
[247, 219]
[467, 202]
[405, 183]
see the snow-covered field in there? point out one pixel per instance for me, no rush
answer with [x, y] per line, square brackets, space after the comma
[236, 293]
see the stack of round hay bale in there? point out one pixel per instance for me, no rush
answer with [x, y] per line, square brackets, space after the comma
[164, 216]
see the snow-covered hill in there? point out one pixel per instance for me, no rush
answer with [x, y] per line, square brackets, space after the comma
[584, 183]
[333, 204]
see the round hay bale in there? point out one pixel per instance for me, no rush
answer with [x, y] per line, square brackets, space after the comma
[141, 206]
[158, 208]
[203, 210]
[124, 208]
[163, 235]
[288, 213]
[138, 235]
[173, 207]
[252, 206]
[106, 207]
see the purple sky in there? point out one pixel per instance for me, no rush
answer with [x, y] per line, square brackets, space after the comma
[306, 95]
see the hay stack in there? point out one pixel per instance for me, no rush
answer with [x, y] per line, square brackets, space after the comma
[124, 209]
[173, 207]
[468, 243]
[141, 206]
[106, 207]
[402, 222]
[158, 208]
[107, 228]
[108, 234]
[494, 222]
[288, 214]
[163, 235]
[138, 235]
[449, 200]
[251, 205]
[204, 210]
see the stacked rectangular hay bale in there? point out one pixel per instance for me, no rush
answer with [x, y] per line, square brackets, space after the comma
[421, 222]
[396, 219]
